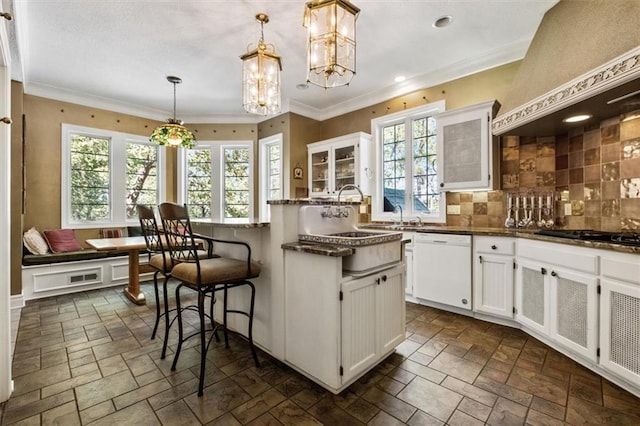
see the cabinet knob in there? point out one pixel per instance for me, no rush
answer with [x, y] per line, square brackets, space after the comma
[553, 274]
[378, 281]
[494, 247]
[6, 120]
[441, 184]
[384, 278]
[464, 301]
[543, 271]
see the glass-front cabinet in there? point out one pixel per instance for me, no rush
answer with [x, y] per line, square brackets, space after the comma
[337, 162]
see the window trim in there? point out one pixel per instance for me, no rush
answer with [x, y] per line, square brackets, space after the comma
[377, 124]
[264, 209]
[117, 181]
[217, 155]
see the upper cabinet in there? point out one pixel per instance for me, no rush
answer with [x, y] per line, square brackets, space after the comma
[467, 150]
[336, 162]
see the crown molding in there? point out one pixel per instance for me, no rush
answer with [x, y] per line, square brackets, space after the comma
[614, 73]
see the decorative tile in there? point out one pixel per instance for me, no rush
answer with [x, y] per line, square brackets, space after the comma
[611, 171]
[441, 402]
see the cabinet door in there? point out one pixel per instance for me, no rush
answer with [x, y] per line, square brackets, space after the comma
[532, 296]
[465, 158]
[320, 172]
[345, 168]
[408, 255]
[493, 285]
[359, 316]
[619, 329]
[574, 311]
[391, 310]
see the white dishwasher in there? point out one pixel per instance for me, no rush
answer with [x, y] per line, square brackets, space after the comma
[442, 268]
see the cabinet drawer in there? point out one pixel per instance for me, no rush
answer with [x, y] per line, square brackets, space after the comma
[626, 268]
[495, 245]
[576, 258]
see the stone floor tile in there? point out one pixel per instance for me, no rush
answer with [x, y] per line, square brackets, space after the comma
[493, 374]
[85, 369]
[40, 378]
[143, 392]
[459, 418]
[420, 418]
[65, 414]
[533, 383]
[407, 347]
[475, 393]
[257, 406]
[536, 418]
[96, 412]
[331, 414]
[423, 371]
[390, 404]
[384, 419]
[474, 409]
[250, 382]
[98, 391]
[21, 412]
[431, 398]
[29, 421]
[362, 410]
[112, 365]
[457, 367]
[580, 411]
[115, 347]
[506, 354]
[432, 348]
[507, 413]
[177, 414]
[217, 400]
[139, 414]
[503, 390]
[390, 385]
[549, 408]
[420, 358]
[587, 388]
[71, 383]
[288, 413]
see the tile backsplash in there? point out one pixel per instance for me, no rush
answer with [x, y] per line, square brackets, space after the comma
[594, 171]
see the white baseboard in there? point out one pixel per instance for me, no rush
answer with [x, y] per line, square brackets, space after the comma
[16, 301]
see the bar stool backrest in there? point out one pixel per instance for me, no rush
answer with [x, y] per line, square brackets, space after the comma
[177, 229]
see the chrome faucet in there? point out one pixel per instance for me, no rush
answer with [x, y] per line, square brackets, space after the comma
[351, 186]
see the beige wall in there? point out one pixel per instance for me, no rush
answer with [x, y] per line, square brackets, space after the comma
[573, 38]
[483, 86]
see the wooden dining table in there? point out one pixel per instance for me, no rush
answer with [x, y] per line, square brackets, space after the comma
[132, 245]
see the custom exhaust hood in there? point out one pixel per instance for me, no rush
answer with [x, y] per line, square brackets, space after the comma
[584, 59]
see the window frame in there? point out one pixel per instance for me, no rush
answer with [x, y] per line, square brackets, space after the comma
[377, 125]
[117, 181]
[217, 190]
[264, 210]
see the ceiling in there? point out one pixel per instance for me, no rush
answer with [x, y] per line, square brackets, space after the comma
[116, 54]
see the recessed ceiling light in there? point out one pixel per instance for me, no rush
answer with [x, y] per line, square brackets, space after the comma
[577, 118]
[442, 22]
[399, 78]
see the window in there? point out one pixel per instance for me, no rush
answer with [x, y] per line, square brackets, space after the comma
[407, 164]
[105, 175]
[215, 180]
[271, 176]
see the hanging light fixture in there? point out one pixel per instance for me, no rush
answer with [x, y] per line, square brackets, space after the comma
[331, 44]
[173, 133]
[261, 76]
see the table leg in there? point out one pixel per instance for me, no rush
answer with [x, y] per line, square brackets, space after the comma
[132, 291]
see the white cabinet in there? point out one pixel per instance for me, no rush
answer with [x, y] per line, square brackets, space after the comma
[340, 161]
[556, 294]
[620, 316]
[338, 327]
[372, 320]
[408, 260]
[493, 275]
[467, 151]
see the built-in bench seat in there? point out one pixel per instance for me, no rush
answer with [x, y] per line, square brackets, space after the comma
[54, 274]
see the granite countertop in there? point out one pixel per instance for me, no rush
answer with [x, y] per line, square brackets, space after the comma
[318, 248]
[231, 224]
[315, 201]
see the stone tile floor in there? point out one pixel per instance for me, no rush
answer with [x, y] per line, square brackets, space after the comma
[87, 358]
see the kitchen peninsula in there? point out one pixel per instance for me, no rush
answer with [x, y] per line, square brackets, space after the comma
[329, 325]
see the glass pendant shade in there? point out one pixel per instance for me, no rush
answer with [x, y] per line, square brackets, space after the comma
[261, 77]
[173, 133]
[331, 44]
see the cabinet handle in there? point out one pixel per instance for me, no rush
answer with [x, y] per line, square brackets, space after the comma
[494, 247]
[384, 278]
[553, 274]
[441, 184]
[480, 259]
[543, 271]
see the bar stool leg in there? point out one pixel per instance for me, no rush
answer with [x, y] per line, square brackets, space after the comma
[250, 331]
[167, 324]
[180, 335]
[155, 286]
[203, 343]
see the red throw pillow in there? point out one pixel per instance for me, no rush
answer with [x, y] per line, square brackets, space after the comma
[61, 240]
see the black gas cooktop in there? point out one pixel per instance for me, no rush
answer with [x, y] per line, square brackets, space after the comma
[628, 238]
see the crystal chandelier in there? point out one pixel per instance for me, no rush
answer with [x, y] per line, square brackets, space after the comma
[261, 76]
[331, 44]
[173, 133]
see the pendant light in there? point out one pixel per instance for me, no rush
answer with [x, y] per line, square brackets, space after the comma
[261, 76]
[331, 43]
[173, 133]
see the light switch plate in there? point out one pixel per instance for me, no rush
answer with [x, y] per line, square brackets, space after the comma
[454, 209]
[567, 209]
